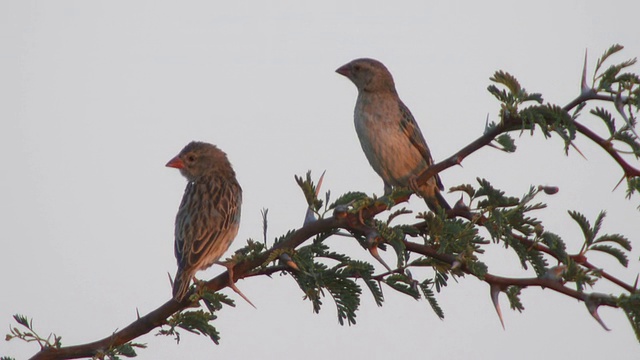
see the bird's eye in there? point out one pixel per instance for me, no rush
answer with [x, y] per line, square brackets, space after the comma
[191, 158]
[356, 67]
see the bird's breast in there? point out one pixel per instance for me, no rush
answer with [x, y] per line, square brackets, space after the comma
[385, 143]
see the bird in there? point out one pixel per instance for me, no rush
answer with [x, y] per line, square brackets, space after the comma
[208, 218]
[389, 134]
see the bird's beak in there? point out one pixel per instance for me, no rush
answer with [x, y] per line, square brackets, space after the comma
[176, 162]
[344, 70]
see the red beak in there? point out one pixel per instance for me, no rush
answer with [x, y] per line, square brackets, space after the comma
[344, 70]
[176, 162]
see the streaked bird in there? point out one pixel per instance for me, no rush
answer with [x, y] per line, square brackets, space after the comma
[389, 135]
[209, 215]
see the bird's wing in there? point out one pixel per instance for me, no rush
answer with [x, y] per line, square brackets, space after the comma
[206, 223]
[412, 130]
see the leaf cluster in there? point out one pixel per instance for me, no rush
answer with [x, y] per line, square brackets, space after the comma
[198, 321]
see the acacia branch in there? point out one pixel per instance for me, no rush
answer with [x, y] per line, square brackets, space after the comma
[341, 219]
[242, 269]
[353, 222]
[504, 282]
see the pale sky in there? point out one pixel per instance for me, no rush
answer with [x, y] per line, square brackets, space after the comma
[99, 95]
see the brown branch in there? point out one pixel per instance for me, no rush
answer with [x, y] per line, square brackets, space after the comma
[456, 159]
[242, 269]
[346, 220]
[353, 222]
[629, 171]
[137, 328]
[504, 282]
[579, 259]
[608, 276]
[588, 95]
[512, 123]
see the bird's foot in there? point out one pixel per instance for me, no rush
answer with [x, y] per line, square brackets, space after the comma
[413, 184]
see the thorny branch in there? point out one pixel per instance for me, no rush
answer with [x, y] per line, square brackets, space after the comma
[244, 269]
[355, 223]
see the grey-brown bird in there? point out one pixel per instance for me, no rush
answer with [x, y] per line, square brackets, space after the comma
[209, 215]
[390, 136]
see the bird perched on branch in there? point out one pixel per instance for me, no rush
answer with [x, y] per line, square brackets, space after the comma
[390, 137]
[209, 215]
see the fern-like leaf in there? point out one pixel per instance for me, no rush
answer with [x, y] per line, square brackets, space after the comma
[426, 287]
[615, 252]
[615, 238]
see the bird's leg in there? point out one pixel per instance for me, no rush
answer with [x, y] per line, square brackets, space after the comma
[229, 265]
[388, 189]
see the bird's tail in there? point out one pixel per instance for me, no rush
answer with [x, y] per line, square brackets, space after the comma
[181, 284]
[436, 202]
[433, 197]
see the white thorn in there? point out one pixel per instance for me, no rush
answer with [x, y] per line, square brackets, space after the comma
[593, 310]
[495, 292]
[584, 87]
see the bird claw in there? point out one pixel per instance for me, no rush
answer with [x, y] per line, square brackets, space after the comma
[413, 184]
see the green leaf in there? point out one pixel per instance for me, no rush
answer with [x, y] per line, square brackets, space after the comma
[466, 188]
[364, 270]
[477, 268]
[349, 198]
[513, 294]
[495, 197]
[309, 190]
[628, 139]
[516, 94]
[584, 226]
[501, 95]
[633, 186]
[506, 141]
[610, 51]
[507, 80]
[611, 76]
[598, 223]
[198, 322]
[440, 279]
[215, 300]
[22, 320]
[615, 238]
[422, 261]
[375, 290]
[606, 117]
[426, 287]
[631, 306]
[127, 349]
[393, 215]
[402, 284]
[555, 244]
[346, 295]
[576, 273]
[394, 236]
[615, 252]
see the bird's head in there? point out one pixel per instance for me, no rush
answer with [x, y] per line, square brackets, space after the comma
[198, 159]
[368, 75]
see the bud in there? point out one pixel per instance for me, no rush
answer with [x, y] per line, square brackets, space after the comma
[549, 190]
